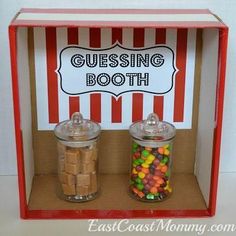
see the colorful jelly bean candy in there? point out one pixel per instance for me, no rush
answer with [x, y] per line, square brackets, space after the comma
[166, 152]
[164, 168]
[167, 146]
[145, 165]
[145, 170]
[153, 190]
[138, 168]
[138, 180]
[168, 188]
[141, 194]
[137, 154]
[161, 150]
[140, 186]
[151, 157]
[150, 196]
[135, 145]
[165, 160]
[141, 175]
[148, 162]
[150, 172]
[135, 190]
[156, 162]
[148, 149]
[141, 161]
[145, 153]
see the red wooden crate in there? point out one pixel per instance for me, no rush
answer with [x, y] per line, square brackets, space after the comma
[214, 48]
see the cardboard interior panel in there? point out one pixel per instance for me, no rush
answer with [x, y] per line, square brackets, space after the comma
[115, 146]
[206, 123]
[25, 107]
[114, 162]
[114, 195]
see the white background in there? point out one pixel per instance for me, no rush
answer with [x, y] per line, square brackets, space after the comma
[224, 9]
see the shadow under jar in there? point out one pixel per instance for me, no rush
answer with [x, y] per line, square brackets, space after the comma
[151, 159]
[77, 158]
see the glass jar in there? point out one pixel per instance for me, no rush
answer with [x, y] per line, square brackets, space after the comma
[77, 158]
[151, 159]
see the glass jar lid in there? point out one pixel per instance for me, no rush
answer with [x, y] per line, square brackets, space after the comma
[152, 129]
[77, 129]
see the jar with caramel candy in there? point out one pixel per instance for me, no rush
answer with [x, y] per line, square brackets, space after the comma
[77, 158]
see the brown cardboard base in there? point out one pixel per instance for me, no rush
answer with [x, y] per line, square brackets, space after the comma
[114, 196]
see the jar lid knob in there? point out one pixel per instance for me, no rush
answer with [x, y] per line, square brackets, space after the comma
[77, 118]
[152, 119]
[152, 123]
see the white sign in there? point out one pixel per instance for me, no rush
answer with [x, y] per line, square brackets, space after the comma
[116, 70]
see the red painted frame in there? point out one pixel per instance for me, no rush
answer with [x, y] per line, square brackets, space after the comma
[25, 213]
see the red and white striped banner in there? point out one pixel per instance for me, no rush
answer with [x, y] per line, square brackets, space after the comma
[53, 105]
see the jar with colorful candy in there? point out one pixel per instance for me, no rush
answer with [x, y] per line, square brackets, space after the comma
[77, 158]
[151, 159]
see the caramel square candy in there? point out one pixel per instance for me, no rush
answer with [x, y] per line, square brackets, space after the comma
[68, 189]
[72, 156]
[82, 190]
[62, 177]
[95, 154]
[61, 148]
[93, 187]
[88, 167]
[67, 178]
[61, 165]
[86, 155]
[72, 168]
[83, 179]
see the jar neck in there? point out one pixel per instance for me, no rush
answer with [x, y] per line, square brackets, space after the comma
[152, 143]
[78, 144]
